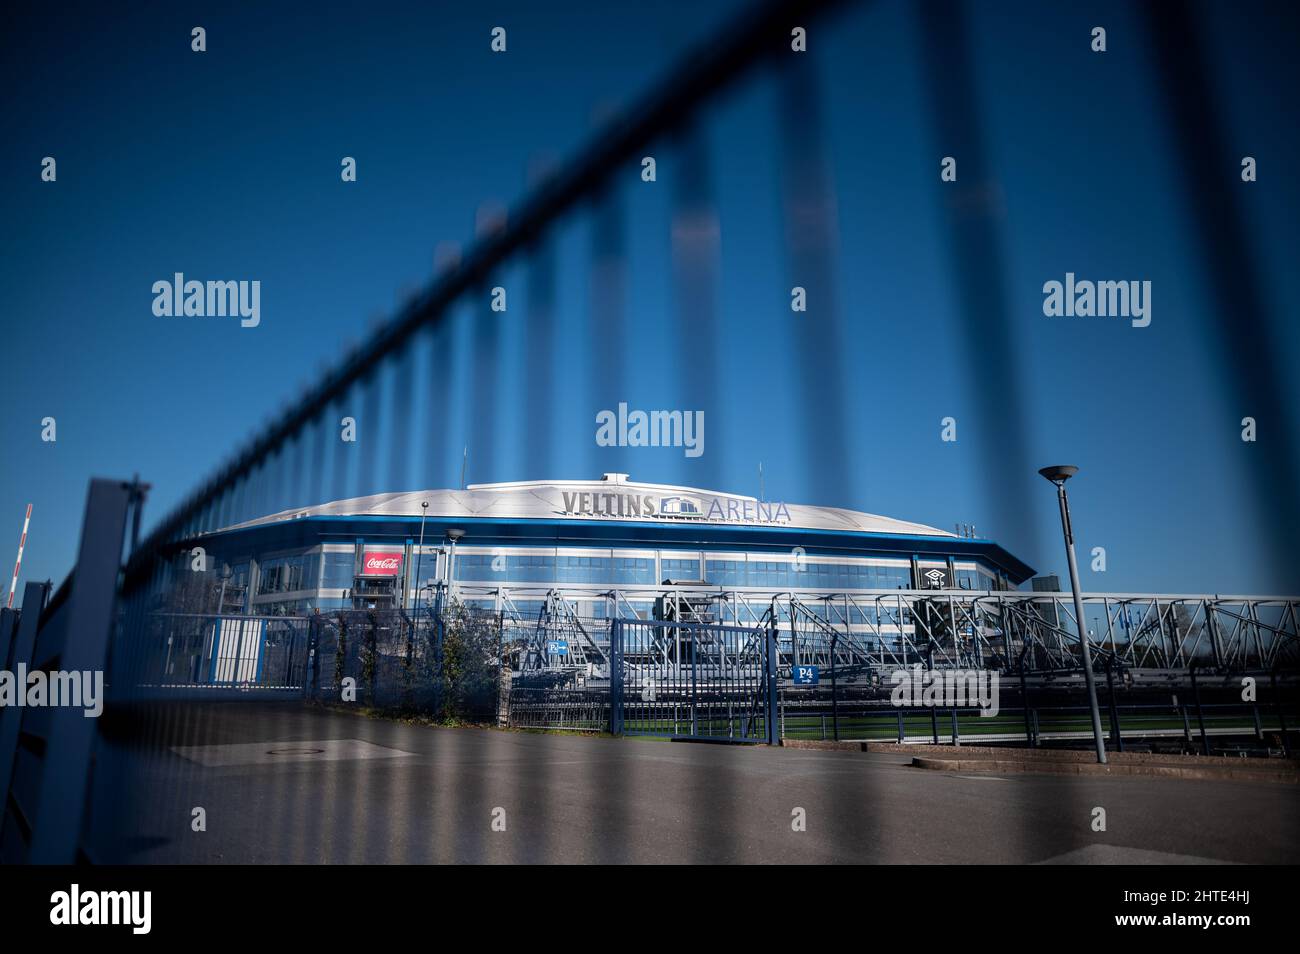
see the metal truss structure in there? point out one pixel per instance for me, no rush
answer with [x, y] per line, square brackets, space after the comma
[561, 641]
[868, 633]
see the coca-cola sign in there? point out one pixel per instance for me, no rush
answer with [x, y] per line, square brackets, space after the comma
[381, 563]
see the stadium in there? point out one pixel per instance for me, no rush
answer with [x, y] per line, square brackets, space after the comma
[609, 547]
[555, 562]
[589, 581]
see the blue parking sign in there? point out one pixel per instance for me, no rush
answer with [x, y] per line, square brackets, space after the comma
[557, 647]
[806, 675]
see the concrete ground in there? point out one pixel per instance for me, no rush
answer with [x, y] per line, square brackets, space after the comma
[282, 783]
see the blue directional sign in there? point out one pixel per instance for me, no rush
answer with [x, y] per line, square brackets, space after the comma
[806, 675]
[557, 647]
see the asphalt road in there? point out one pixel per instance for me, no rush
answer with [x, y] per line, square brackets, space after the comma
[284, 783]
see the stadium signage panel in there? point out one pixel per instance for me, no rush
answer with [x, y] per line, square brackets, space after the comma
[806, 675]
[935, 578]
[381, 563]
[696, 507]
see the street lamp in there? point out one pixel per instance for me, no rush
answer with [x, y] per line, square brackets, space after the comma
[453, 535]
[226, 574]
[419, 553]
[1058, 475]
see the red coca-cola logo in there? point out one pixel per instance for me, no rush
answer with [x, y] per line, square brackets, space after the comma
[381, 564]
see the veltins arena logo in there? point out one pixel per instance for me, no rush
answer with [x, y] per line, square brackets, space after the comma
[674, 506]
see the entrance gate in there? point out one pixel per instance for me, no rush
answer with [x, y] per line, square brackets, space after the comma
[693, 681]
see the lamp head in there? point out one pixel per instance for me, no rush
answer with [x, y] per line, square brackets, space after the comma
[1059, 474]
[454, 535]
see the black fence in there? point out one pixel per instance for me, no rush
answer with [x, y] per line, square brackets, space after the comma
[573, 710]
[444, 664]
[1218, 724]
[225, 652]
[667, 679]
[693, 680]
[297, 457]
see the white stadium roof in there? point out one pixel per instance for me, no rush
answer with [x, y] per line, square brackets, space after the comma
[611, 498]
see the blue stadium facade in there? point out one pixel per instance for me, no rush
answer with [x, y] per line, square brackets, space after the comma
[611, 547]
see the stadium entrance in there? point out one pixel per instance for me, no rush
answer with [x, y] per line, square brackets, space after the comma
[693, 681]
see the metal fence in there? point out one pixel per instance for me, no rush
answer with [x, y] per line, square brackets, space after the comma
[1173, 722]
[297, 457]
[446, 663]
[241, 652]
[668, 679]
[541, 707]
[692, 680]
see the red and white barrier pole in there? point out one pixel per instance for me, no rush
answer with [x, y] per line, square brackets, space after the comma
[22, 542]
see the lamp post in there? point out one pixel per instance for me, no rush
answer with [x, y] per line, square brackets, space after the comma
[419, 553]
[453, 535]
[1058, 475]
[226, 574]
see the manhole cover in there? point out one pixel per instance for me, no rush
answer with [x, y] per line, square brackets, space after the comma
[297, 751]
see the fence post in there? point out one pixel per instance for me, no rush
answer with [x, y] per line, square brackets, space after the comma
[8, 623]
[1116, 737]
[1281, 714]
[311, 682]
[616, 677]
[504, 676]
[1200, 713]
[288, 663]
[35, 596]
[1024, 702]
[87, 629]
[1187, 726]
[770, 658]
[503, 687]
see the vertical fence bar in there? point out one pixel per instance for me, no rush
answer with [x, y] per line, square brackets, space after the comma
[616, 677]
[1200, 713]
[770, 661]
[70, 738]
[35, 596]
[1116, 738]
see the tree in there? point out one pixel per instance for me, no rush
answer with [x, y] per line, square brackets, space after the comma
[469, 664]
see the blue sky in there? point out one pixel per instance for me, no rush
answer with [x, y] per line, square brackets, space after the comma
[225, 165]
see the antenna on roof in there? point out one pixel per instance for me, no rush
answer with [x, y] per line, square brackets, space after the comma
[22, 542]
[761, 496]
[464, 461]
